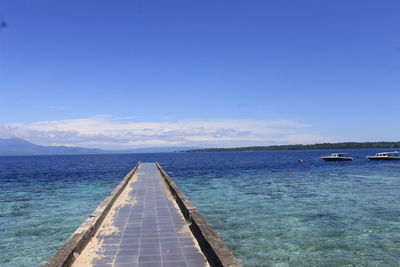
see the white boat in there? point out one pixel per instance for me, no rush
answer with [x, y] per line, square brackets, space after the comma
[385, 156]
[337, 157]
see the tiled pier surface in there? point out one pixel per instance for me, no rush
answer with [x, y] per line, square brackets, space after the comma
[147, 229]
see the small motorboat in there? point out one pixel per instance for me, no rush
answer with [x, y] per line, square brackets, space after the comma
[337, 157]
[385, 156]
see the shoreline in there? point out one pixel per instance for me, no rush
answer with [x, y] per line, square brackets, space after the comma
[322, 146]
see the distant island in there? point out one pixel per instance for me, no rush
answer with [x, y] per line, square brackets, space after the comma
[343, 145]
[21, 147]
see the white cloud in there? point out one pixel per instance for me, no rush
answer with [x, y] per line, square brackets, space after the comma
[118, 133]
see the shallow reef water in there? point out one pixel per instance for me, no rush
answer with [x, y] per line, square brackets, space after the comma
[270, 209]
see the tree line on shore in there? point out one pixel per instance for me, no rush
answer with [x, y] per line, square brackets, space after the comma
[343, 145]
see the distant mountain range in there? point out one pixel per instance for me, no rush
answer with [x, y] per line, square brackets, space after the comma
[21, 147]
[16, 146]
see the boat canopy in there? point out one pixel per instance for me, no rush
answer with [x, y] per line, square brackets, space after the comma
[387, 153]
[339, 154]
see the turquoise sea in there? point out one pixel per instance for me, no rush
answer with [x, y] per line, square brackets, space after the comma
[269, 209]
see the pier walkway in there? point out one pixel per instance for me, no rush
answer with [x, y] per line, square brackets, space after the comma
[144, 227]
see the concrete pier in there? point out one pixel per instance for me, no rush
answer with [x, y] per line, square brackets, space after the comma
[146, 221]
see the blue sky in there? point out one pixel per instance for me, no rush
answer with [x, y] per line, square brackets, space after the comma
[118, 74]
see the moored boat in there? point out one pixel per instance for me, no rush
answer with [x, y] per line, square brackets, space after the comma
[385, 156]
[337, 157]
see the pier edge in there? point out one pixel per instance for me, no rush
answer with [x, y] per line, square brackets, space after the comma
[212, 246]
[67, 254]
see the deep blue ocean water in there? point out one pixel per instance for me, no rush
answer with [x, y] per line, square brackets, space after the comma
[269, 209]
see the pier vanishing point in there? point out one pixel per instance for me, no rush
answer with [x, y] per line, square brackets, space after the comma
[145, 221]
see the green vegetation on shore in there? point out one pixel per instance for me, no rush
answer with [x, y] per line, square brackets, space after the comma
[344, 145]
